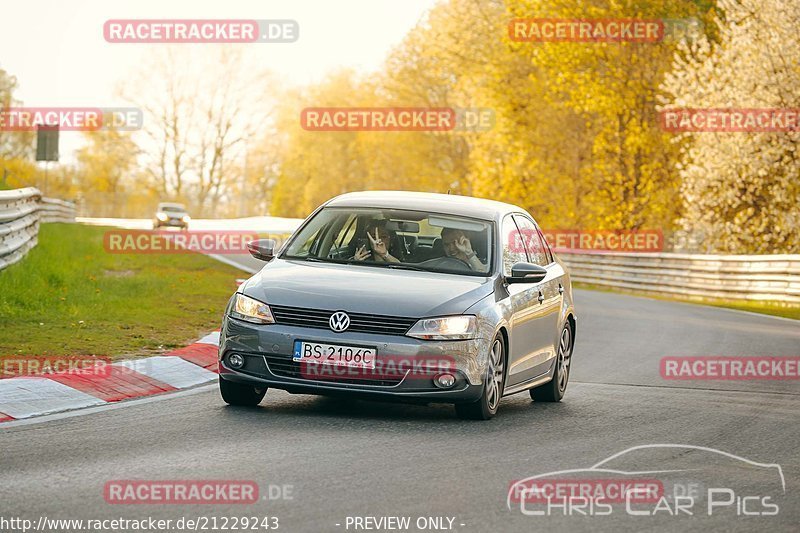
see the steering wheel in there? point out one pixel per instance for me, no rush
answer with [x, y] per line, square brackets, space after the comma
[446, 263]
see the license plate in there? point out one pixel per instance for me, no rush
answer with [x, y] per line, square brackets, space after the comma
[334, 354]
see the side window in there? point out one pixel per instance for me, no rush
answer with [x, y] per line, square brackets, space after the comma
[513, 247]
[546, 247]
[347, 232]
[306, 247]
[533, 243]
[324, 240]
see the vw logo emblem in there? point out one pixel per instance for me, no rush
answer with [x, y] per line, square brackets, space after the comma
[339, 321]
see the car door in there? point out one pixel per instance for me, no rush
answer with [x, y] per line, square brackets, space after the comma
[556, 277]
[551, 287]
[531, 313]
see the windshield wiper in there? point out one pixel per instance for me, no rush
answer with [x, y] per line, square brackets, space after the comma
[314, 259]
[401, 266]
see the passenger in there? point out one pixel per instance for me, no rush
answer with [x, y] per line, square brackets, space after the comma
[379, 244]
[457, 245]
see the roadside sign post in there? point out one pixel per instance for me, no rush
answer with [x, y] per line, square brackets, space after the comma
[46, 147]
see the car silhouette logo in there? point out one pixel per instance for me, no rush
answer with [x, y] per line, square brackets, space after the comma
[339, 321]
[608, 468]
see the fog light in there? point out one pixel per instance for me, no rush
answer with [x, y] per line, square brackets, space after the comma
[235, 360]
[444, 381]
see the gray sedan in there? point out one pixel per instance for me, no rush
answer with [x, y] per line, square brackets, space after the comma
[397, 295]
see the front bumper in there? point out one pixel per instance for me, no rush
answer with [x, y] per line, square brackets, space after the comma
[408, 365]
[171, 223]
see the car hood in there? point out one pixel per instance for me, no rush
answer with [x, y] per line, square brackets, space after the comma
[365, 289]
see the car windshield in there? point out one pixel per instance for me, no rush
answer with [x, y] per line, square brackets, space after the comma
[172, 209]
[397, 239]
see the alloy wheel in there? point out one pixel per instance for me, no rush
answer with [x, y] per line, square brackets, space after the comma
[564, 355]
[494, 375]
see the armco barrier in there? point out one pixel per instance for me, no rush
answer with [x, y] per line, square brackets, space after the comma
[53, 210]
[21, 211]
[732, 277]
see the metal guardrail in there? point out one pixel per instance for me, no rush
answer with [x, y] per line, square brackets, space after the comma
[53, 210]
[21, 211]
[732, 277]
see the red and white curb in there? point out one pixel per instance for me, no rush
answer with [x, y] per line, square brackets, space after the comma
[29, 396]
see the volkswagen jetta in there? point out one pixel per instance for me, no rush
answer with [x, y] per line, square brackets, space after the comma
[429, 297]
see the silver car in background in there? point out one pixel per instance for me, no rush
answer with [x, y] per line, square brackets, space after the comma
[400, 295]
[171, 215]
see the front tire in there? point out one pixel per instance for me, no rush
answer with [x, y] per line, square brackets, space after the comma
[240, 394]
[493, 383]
[554, 390]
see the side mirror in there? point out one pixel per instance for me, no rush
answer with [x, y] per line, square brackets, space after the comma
[526, 273]
[263, 249]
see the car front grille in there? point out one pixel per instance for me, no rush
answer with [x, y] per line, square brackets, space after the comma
[285, 366]
[359, 322]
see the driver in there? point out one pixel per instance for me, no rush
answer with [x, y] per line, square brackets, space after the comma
[457, 245]
[379, 242]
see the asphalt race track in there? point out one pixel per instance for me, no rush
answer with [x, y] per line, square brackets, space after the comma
[354, 458]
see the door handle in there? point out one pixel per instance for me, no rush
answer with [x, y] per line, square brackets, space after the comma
[560, 289]
[541, 297]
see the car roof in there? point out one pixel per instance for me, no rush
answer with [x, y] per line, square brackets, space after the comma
[169, 204]
[426, 201]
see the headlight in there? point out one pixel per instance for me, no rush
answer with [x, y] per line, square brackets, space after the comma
[162, 217]
[250, 310]
[186, 218]
[460, 327]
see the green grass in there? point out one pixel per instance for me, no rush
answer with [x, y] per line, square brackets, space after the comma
[765, 308]
[69, 297]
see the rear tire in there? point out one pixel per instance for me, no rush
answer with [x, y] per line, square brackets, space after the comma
[554, 390]
[493, 383]
[240, 394]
